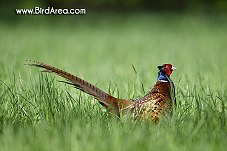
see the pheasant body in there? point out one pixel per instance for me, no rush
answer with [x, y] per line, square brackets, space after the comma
[154, 104]
[150, 107]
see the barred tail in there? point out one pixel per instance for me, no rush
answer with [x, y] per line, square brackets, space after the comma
[104, 99]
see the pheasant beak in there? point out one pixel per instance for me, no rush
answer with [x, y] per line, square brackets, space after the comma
[173, 68]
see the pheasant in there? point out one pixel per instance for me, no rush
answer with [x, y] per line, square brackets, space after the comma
[150, 107]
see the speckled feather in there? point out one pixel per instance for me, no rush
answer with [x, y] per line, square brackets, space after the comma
[154, 104]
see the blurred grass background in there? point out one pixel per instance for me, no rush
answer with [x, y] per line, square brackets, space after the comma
[37, 113]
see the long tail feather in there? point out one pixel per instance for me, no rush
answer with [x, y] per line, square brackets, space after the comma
[108, 101]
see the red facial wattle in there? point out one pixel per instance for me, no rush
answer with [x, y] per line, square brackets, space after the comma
[168, 71]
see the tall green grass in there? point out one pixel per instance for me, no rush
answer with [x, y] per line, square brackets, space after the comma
[38, 113]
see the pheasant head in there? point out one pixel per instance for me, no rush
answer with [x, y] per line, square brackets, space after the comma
[165, 71]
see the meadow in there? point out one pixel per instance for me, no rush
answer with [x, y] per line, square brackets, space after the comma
[39, 113]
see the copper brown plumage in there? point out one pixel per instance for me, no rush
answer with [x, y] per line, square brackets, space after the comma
[150, 107]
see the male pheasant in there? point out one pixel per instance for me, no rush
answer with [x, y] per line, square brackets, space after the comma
[150, 107]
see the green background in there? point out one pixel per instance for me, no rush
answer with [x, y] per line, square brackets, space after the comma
[38, 113]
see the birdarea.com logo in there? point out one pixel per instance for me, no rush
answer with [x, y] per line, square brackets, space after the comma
[50, 11]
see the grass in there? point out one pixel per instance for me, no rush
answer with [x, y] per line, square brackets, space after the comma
[38, 113]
